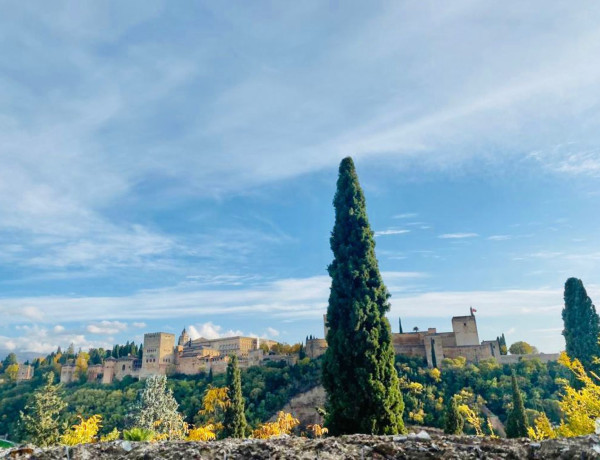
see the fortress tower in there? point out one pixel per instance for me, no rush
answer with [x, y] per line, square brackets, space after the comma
[184, 338]
[465, 330]
[158, 353]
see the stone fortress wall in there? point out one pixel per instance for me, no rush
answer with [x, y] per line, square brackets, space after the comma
[161, 356]
[435, 346]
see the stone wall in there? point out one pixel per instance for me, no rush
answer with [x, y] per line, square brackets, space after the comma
[543, 357]
[365, 447]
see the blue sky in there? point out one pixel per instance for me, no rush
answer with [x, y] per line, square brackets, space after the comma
[171, 164]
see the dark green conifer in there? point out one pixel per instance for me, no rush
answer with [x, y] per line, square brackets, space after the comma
[516, 424]
[359, 375]
[454, 422]
[581, 325]
[234, 423]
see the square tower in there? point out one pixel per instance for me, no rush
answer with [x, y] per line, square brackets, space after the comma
[465, 330]
[158, 353]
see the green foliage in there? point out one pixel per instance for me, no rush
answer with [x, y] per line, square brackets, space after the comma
[40, 419]
[11, 358]
[234, 423]
[581, 324]
[138, 434]
[539, 383]
[454, 422]
[516, 425]
[359, 376]
[157, 409]
[522, 348]
[265, 389]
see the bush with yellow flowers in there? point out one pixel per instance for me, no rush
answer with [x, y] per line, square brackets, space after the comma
[284, 425]
[84, 432]
[203, 433]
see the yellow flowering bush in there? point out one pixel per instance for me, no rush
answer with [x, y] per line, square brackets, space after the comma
[202, 433]
[284, 425]
[84, 432]
[317, 430]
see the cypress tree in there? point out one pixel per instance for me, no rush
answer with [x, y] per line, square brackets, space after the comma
[433, 357]
[359, 375]
[581, 325]
[516, 424]
[454, 422]
[234, 423]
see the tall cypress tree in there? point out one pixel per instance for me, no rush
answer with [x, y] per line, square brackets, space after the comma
[359, 375]
[581, 325]
[516, 424]
[453, 422]
[234, 423]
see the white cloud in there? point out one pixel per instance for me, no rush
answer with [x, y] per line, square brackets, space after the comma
[32, 313]
[107, 327]
[271, 332]
[139, 325]
[392, 231]
[38, 339]
[210, 331]
[406, 215]
[499, 237]
[58, 329]
[457, 235]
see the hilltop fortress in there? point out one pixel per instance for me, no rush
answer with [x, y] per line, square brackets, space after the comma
[435, 346]
[161, 355]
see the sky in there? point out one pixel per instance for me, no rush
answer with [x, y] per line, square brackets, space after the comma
[172, 164]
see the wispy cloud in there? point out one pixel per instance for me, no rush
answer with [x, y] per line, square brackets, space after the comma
[406, 215]
[107, 327]
[499, 237]
[457, 236]
[392, 231]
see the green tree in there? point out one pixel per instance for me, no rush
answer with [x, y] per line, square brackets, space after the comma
[40, 420]
[359, 375]
[11, 358]
[581, 325]
[522, 348]
[234, 423]
[516, 424]
[453, 422]
[157, 409]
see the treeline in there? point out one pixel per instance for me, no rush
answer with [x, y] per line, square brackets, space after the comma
[265, 389]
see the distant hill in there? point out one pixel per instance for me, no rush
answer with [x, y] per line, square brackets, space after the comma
[22, 356]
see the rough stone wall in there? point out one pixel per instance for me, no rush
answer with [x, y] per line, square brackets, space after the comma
[67, 373]
[415, 446]
[474, 353]
[315, 347]
[543, 357]
[25, 372]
